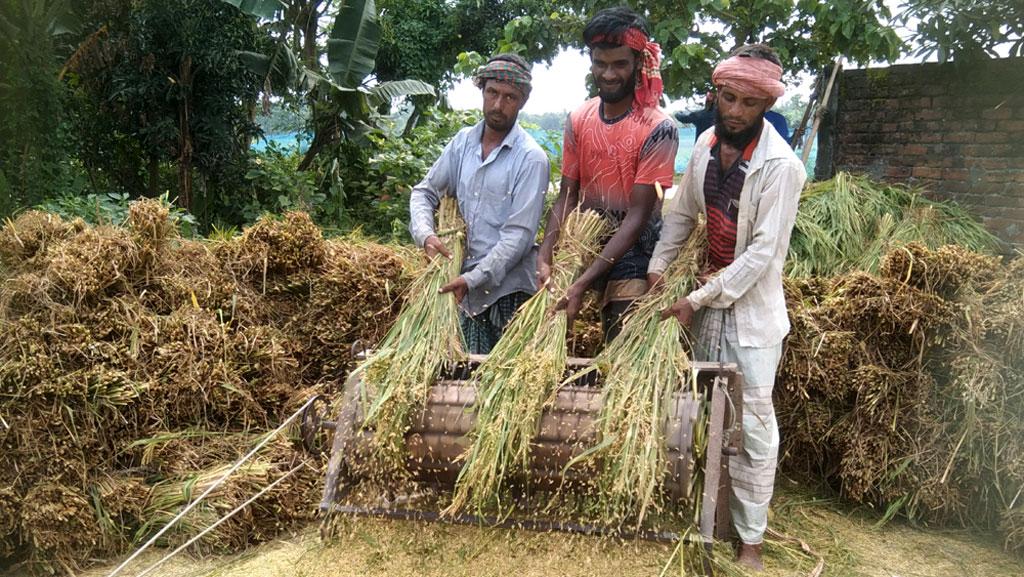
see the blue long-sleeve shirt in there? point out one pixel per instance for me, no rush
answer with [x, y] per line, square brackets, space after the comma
[501, 199]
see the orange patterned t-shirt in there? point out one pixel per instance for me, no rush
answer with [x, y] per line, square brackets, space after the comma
[609, 156]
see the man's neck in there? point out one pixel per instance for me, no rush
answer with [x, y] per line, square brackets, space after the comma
[616, 109]
[491, 139]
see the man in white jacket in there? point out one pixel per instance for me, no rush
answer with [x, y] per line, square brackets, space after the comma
[746, 180]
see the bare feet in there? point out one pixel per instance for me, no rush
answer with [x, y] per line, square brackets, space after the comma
[750, 556]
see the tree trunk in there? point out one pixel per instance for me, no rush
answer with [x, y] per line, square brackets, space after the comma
[309, 48]
[152, 189]
[185, 135]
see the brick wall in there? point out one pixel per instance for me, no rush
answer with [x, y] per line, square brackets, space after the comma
[957, 129]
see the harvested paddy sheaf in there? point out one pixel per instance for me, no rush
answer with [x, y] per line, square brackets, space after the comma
[136, 366]
[905, 390]
[426, 335]
[521, 375]
[849, 222]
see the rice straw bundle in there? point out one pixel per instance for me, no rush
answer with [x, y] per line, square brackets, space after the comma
[644, 367]
[425, 335]
[522, 373]
[848, 223]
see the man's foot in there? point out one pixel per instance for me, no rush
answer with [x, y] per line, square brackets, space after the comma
[750, 556]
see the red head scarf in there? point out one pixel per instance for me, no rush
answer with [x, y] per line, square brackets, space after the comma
[648, 79]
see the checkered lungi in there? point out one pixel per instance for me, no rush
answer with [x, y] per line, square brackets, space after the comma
[482, 331]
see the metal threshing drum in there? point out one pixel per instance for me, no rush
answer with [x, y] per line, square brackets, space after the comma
[438, 436]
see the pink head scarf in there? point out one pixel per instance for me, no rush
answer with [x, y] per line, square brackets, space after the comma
[755, 77]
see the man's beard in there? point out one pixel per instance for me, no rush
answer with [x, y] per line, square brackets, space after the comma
[500, 122]
[619, 95]
[736, 139]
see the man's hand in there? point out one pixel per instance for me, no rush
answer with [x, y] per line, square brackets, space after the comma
[572, 302]
[655, 281]
[457, 287]
[682, 310]
[433, 247]
[543, 272]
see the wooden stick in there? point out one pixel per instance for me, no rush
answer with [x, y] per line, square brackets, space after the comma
[821, 110]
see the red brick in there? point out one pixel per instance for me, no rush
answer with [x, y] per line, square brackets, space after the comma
[955, 174]
[912, 150]
[999, 176]
[986, 150]
[963, 125]
[988, 188]
[1012, 125]
[929, 114]
[993, 163]
[899, 172]
[926, 172]
[1002, 113]
[958, 137]
[991, 137]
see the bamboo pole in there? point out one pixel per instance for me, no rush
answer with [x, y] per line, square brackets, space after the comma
[821, 110]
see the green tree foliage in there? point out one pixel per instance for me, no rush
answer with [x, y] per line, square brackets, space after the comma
[160, 82]
[695, 34]
[422, 38]
[965, 29]
[32, 141]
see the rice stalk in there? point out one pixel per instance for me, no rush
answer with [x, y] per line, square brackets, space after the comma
[644, 368]
[426, 335]
[522, 374]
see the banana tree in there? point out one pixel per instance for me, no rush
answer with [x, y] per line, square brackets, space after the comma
[345, 102]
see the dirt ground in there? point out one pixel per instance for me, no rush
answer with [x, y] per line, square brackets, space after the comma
[847, 539]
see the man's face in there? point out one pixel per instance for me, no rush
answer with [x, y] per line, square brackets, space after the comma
[614, 71]
[739, 116]
[502, 102]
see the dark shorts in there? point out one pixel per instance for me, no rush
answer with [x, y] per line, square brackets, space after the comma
[627, 279]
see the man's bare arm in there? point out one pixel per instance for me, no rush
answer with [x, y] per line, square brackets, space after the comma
[568, 198]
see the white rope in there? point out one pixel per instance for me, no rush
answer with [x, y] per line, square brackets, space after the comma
[219, 521]
[223, 477]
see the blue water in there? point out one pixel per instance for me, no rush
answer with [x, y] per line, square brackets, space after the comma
[283, 141]
[549, 139]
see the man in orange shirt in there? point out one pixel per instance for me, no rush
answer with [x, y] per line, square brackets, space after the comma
[616, 147]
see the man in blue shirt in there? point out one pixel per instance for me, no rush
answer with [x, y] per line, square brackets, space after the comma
[499, 175]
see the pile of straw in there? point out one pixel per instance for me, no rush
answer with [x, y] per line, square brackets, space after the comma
[905, 389]
[135, 364]
[849, 222]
